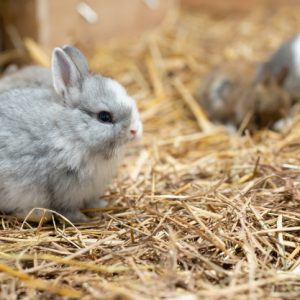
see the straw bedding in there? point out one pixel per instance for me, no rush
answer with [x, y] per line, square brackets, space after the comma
[195, 213]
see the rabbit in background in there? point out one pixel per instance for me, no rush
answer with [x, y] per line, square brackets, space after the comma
[233, 92]
[267, 93]
[216, 92]
[62, 143]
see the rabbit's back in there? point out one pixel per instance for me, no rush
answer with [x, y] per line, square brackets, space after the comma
[27, 113]
[27, 132]
[23, 151]
[33, 150]
[31, 76]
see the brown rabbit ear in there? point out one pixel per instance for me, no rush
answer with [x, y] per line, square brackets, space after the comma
[281, 76]
[263, 74]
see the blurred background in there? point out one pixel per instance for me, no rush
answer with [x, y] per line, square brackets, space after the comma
[53, 22]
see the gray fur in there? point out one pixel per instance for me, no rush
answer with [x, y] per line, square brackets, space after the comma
[31, 76]
[78, 58]
[54, 152]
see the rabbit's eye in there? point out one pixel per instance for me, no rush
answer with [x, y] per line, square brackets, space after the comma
[105, 117]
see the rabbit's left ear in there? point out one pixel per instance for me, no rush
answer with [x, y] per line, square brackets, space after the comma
[65, 74]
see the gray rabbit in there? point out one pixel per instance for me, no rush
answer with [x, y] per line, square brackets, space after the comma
[60, 146]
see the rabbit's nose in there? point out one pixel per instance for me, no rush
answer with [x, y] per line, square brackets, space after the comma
[133, 131]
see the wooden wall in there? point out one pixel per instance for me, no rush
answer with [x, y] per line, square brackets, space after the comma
[55, 22]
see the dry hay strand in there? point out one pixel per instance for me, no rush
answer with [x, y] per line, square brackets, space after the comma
[194, 213]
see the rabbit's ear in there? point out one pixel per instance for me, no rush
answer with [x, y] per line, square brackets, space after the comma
[282, 75]
[65, 74]
[263, 74]
[78, 59]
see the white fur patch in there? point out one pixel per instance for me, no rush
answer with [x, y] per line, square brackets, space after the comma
[115, 87]
[97, 175]
[296, 55]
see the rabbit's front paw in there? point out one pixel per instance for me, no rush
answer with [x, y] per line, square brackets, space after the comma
[75, 216]
[96, 203]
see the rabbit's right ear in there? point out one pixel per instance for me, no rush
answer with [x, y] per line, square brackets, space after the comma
[282, 75]
[78, 59]
[263, 74]
[266, 76]
[65, 74]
